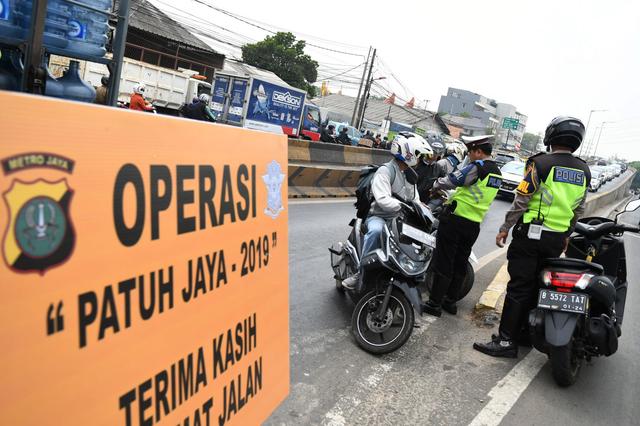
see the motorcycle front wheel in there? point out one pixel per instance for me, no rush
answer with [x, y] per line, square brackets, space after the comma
[565, 364]
[386, 334]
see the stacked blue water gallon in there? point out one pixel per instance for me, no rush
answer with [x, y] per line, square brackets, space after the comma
[73, 29]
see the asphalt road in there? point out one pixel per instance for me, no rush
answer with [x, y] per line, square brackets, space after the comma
[608, 389]
[436, 378]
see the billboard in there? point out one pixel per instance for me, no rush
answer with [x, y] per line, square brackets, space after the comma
[274, 108]
[144, 272]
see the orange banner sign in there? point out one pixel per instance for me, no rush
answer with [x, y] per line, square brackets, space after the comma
[144, 272]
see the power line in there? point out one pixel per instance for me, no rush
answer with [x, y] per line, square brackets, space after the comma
[244, 20]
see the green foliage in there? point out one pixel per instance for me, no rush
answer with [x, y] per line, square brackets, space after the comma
[283, 55]
[465, 114]
[530, 142]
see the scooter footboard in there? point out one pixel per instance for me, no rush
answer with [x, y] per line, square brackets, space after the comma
[559, 327]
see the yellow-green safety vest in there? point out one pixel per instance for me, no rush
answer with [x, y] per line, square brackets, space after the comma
[472, 202]
[556, 198]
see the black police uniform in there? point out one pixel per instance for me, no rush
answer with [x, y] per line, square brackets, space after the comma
[456, 236]
[525, 255]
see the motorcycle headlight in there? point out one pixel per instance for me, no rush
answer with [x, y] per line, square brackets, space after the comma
[408, 264]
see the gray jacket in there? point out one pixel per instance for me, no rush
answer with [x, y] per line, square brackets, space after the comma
[384, 204]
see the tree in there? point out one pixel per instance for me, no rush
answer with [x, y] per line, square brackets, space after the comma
[530, 141]
[283, 55]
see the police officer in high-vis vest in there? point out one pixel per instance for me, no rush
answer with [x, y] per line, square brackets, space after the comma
[477, 185]
[548, 202]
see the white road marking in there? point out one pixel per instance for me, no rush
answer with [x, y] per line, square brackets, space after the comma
[349, 402]
[508, 390]
[488, 258]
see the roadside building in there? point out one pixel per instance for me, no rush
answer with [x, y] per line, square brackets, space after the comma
[380, 115]
[155, 38]
[475, 114]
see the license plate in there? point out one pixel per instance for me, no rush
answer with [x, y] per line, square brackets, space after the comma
[565, 302]
[418, 235]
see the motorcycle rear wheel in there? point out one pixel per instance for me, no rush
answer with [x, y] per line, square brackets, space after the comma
[565, 364]
[390, 333]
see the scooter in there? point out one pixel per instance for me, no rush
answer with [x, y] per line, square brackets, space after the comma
[582, 296]
[386, 297]
[399, 271]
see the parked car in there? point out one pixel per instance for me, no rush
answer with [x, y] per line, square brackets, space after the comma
[617, 168]
[501, 158]
[597, 177]
[512, 174]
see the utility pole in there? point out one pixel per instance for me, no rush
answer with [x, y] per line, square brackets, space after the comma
[365, 95]
[357, 102]
[586, 130]
[595, 150]
[590, 144]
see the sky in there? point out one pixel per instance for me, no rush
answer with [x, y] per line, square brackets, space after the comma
[547, 58]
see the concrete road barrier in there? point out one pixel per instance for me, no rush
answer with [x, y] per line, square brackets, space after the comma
[318, 169]
[600, 200]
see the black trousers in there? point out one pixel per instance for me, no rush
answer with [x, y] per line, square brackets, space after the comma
[525, 263]
[456, 236]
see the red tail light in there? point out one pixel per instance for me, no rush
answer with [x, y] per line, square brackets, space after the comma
[566, 280]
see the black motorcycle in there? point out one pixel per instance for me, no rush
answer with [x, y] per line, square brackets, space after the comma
[393, 277]
[582, 296]
[387, 293]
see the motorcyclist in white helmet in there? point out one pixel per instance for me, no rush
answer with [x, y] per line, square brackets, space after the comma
[137, 101]
[431, 167]
[396, 178]
[198, 109]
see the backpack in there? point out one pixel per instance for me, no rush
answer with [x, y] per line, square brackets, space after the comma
[364, 197]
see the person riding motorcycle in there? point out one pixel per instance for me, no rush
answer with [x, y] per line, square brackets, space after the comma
[395, 179]
[547, 205]
[433, 168]
[199, 109]
[343, 138]
[137, 101]
[328, 134]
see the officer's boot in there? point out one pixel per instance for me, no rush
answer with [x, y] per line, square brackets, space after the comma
[503, 344]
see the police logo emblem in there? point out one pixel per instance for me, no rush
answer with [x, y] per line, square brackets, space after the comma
[39, 234]
[273, 181]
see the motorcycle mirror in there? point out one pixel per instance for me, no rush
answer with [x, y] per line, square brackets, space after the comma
[632, 206]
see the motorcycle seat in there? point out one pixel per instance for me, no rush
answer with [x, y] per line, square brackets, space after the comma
[573, 264]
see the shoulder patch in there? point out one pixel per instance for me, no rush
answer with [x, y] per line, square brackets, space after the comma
[494, 182]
